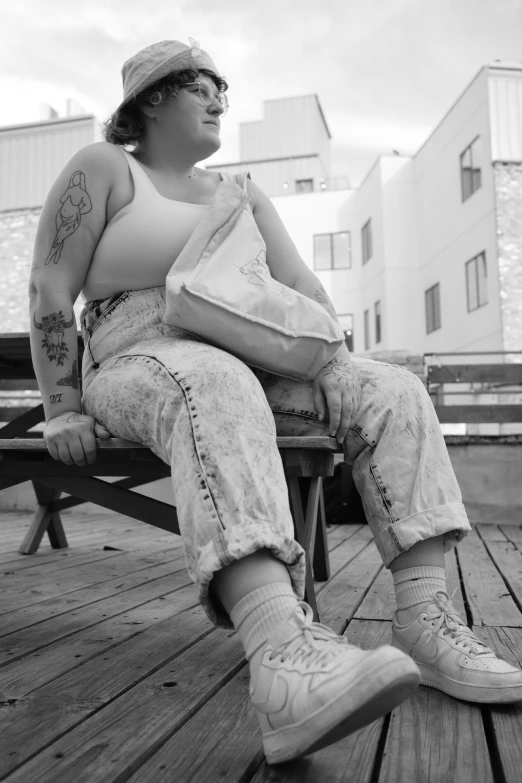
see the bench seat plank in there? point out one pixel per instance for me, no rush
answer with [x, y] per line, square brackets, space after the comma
[314, 442]
[475, 373]
[478, 414]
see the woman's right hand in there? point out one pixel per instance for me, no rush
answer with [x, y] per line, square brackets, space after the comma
[71, 437]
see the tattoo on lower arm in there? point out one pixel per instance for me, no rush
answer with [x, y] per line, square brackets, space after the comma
[74, 417]
[322, 298]
[53, 326]
[56, 397]
[71, 379]
[75, 202]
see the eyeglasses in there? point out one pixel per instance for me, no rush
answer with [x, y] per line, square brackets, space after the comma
[207, 94]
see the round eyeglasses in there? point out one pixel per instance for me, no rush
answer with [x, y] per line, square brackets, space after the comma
[207, 94]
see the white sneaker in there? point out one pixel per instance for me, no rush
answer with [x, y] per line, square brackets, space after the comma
[313, 688]
[451, 658]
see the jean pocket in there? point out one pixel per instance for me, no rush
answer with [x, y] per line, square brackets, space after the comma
[93, 318]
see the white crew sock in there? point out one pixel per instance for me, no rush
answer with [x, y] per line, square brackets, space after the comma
[416, 586]
[257, 614]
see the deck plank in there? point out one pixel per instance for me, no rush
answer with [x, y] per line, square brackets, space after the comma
[489, 599]
[513, 533]
[52, 618]
[433, 738]
[138, 714]
[87, 664]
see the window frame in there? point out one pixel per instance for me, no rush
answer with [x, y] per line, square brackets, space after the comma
[472, 182]
[378, 321]
[299, 181]
[367, 241]
[347, 340]
[430, 293]
[331, 235]
[473, 264]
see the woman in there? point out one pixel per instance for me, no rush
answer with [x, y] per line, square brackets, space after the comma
[214, 420]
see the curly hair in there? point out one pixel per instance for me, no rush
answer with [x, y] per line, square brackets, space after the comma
[127, 126]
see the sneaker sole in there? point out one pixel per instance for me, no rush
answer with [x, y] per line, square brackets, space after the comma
[384, 687]
[481, 694]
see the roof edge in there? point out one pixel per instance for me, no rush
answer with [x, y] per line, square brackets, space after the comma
[43, 123]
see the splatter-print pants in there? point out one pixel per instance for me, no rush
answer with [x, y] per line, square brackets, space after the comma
[214, 420]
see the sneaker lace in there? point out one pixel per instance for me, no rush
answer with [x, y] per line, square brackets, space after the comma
[453, 626]
[315, 651]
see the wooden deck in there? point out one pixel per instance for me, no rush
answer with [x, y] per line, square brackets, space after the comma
[111, 672]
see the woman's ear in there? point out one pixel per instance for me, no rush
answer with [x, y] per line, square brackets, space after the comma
[150, 111]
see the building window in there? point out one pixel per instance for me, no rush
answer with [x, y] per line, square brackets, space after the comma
[432, 303]
[367, 249]
[378, 322]
[332, 251]
[470, 169]
[346, 324]
[476, 282]
[366, 330]
[304, 186]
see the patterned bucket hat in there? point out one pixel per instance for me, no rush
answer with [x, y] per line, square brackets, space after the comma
[158, 60]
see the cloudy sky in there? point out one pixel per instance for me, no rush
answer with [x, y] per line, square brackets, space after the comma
[385, 71]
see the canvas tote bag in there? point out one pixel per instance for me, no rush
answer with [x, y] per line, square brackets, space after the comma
[220, 288]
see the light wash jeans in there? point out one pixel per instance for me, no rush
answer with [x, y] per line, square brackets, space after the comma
[214, 420]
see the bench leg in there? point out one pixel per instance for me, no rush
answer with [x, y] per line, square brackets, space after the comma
[44, 520]
[305, 530]
[321, 559]
[318, 546]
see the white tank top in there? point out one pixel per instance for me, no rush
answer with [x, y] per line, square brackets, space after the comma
[142, 241]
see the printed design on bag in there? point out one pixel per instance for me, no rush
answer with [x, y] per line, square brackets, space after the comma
[259, 274]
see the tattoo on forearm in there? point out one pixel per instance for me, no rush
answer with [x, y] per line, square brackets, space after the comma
[339, 370]
[322, 298]
[75, 202]
[53, 326]
[56, 397]
[74, 417]
[71, 379]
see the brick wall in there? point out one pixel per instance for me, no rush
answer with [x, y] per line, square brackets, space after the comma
[17, 235]
[508, 196]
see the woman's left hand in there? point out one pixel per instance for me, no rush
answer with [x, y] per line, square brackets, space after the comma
[337, 391]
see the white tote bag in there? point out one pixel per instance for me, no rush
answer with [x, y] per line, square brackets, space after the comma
[220, 288]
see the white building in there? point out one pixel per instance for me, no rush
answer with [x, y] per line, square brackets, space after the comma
[426, 255]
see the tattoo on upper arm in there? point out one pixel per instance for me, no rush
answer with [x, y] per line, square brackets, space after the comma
[75, 202]
[322, 298]
[71, 379]
[53, 326]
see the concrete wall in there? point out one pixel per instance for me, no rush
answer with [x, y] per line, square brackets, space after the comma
[490, 478]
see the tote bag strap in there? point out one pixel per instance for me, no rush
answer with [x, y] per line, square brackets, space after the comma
[241, 179]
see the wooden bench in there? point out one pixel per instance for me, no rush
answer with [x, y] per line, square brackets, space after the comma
[24, 456]
[492, 379]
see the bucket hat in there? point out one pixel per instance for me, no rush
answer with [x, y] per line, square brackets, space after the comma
[158, 60]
